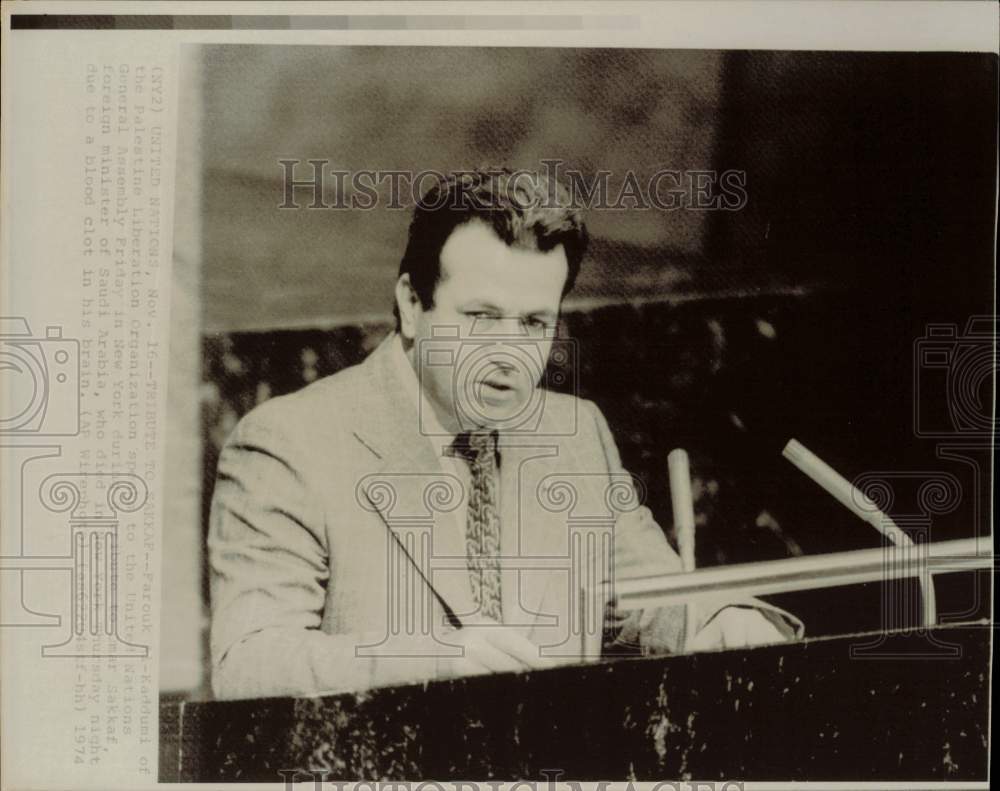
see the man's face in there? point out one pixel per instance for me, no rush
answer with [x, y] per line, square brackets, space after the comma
[482, 348]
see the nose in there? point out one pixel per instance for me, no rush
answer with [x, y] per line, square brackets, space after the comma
[505, 366]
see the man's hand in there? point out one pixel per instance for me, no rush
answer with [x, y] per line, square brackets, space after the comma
[736, 627]
[489, 647]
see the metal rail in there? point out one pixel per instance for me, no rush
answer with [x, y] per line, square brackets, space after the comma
[808, 573]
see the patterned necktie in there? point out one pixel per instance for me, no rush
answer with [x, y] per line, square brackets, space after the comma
[482, 526]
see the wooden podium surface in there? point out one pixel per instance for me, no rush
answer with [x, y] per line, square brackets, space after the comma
[896, 706]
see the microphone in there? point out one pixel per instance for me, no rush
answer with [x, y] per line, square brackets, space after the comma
[682, 502]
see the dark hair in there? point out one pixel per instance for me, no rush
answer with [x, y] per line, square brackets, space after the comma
[525, 209]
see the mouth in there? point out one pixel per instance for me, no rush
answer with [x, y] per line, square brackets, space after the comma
[496, 390]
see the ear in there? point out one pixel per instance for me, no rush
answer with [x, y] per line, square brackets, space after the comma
[408, 304]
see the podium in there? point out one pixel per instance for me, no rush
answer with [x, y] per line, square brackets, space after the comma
[882, 707]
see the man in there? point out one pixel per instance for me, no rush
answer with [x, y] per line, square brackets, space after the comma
[432, 512]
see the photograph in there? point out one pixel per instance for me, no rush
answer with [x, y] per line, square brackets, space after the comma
[436, 396]
[661, 378]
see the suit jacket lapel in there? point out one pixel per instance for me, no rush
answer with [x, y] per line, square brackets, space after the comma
[407, 485]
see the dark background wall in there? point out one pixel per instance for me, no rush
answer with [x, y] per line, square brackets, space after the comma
[870, 214]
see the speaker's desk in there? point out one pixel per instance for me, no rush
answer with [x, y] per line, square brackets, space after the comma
[907, 707]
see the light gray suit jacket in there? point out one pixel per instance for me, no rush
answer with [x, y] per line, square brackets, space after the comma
[338, 557]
